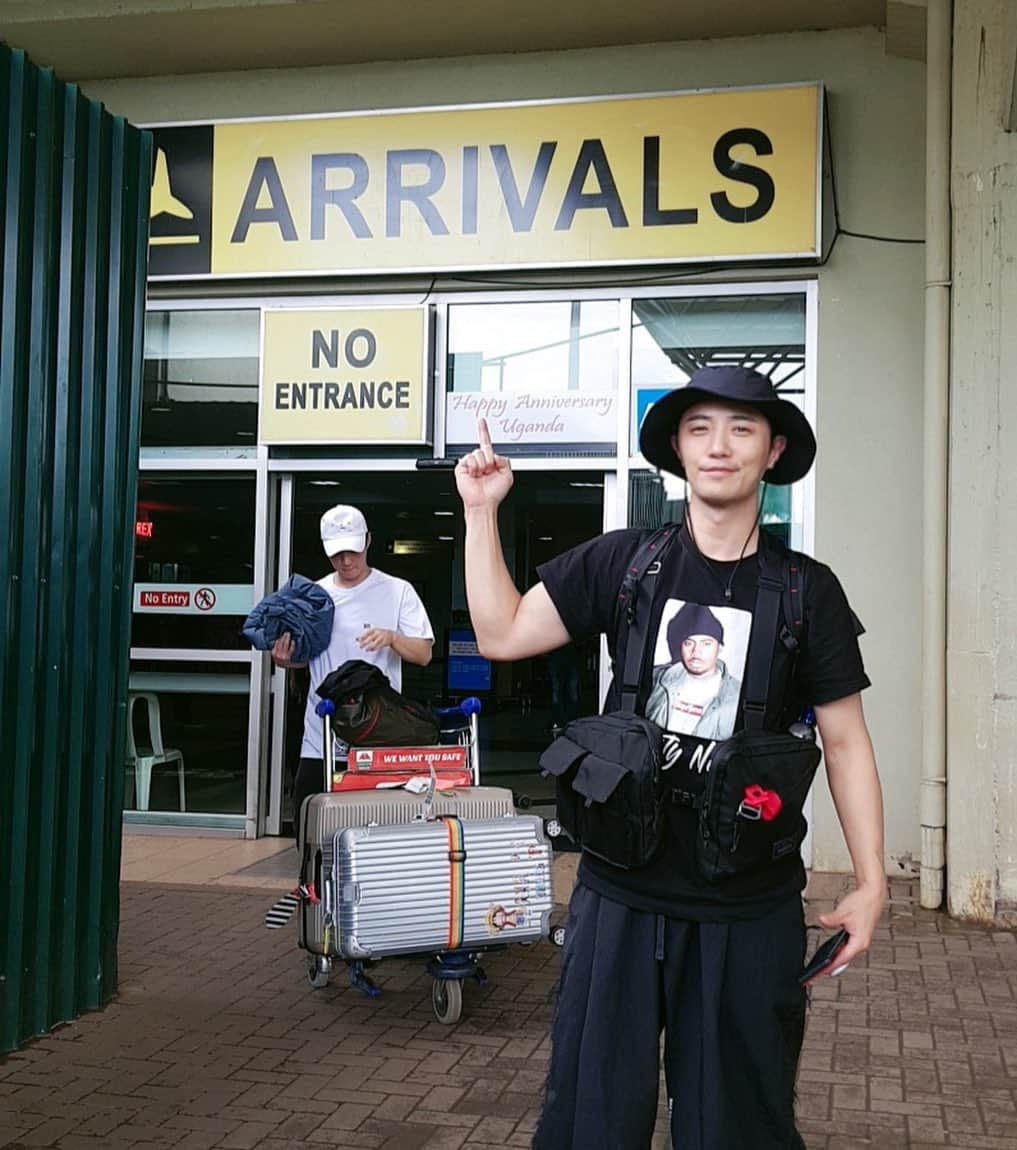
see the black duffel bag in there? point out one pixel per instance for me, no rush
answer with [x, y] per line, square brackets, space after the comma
[369, 712]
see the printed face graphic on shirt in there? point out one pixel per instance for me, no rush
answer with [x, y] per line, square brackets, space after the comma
[699, 663]
[699, 654]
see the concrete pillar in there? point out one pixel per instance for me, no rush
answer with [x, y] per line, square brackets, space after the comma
[982, 602]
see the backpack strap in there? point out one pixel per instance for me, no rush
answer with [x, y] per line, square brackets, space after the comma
[635, 599]
[793, 603]
[779, 613]
[773, 569]
[792, 623]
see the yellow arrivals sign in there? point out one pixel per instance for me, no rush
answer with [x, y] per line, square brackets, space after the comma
[344, 376]
[701, 176]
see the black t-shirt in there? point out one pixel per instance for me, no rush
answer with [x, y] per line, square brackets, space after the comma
[692, 688]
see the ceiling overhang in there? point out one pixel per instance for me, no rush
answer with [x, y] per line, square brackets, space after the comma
[109, 39]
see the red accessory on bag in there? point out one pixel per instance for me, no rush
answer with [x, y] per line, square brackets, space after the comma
[767, 803]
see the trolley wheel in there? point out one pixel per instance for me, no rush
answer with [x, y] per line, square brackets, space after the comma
[523, 802]
[447, 1000]
[553, 828]
[557, 936]
[318, 970]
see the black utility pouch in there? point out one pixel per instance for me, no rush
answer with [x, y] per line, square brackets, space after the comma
[607, 767]
[607, 776]
[750, 814]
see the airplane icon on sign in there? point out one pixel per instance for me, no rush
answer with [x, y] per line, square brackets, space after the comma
[164, 202]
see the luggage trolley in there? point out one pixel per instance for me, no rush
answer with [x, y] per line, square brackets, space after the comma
[450, 886]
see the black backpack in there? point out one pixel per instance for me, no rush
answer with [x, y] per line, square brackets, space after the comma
[369, 712]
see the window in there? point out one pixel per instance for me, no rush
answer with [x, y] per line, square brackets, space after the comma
[188, 744]
[673, 337]
[543, 374]
[200, 385]
[193, 561]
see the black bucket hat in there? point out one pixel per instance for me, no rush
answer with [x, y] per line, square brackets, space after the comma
[738, 385]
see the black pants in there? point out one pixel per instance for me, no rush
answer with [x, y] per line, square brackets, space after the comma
[733, 1016]
[309, 780]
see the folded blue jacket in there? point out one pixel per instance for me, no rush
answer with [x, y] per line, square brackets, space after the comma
[300, 607]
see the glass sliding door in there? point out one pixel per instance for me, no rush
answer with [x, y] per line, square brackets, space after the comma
[417, 532]
[190, 682]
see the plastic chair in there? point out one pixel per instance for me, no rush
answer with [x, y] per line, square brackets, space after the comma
[145, 758]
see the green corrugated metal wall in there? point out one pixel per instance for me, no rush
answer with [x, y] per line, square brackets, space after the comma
[74, 183]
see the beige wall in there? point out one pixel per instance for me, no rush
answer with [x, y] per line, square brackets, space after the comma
[982, 639]
[868, 517]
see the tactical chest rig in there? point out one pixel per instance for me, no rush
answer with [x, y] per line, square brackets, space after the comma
[612, 790]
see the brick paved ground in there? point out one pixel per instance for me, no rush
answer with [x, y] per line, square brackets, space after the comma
[217, 1041]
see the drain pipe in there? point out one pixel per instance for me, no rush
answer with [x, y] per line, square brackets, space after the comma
[932, 799]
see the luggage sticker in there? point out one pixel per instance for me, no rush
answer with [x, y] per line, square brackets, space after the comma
[525, 889]
[526, 849]
[499, 919]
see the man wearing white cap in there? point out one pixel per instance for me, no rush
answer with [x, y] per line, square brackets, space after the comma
[378, 618]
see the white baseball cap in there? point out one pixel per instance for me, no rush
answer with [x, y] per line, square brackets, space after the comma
[343, 529]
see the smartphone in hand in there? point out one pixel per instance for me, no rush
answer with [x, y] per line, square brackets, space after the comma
[825, 958]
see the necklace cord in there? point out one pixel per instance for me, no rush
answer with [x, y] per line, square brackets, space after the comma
[708, 563]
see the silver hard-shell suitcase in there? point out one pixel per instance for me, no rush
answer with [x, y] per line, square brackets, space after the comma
[520, 912]
[445, 885]
[325, 815]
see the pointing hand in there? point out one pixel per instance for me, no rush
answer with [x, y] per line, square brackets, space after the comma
[483, 478]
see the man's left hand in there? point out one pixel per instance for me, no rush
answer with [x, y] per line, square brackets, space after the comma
[376, 639]
[858, 913]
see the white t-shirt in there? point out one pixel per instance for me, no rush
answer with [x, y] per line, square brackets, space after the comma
[379, 601]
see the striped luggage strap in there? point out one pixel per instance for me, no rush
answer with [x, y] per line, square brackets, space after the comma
[457, 881]
[280, 913]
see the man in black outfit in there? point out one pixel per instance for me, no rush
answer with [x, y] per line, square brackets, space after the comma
[713, 964]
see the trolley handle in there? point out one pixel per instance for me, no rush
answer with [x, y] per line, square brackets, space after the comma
[471, 709]
[467, 707]
[325, 710]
